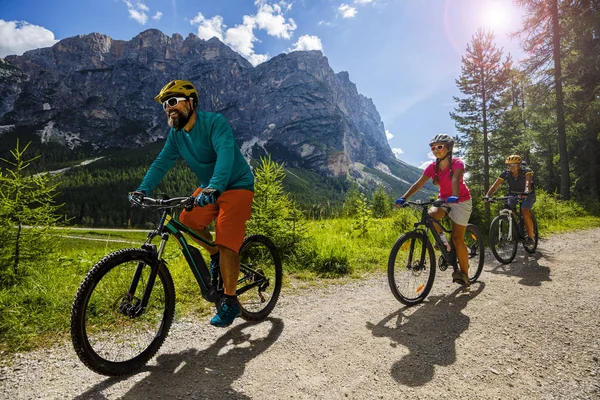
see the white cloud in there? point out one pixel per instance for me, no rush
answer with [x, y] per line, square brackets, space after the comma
[388, 134]
[425, 164]
[241, 38]
[397, 151]
[20, 36]
[270, 19]
[208, 28]
[157, 16]
[347, 11]
[307, 42]
[137, 11]
[362, 1]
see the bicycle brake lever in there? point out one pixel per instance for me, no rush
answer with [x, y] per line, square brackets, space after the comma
[438, 202]
[189, 204]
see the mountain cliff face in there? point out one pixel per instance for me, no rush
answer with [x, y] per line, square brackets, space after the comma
[91, 89]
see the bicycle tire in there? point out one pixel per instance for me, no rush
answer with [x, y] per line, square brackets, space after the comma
[260, 270]
[531, 249]
[99, 327]
[413, 277]
[475, 245]
[504, 250]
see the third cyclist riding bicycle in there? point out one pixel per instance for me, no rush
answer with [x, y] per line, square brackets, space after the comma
[520, 181]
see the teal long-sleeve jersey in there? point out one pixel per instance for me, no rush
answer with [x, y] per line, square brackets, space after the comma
[210, 151]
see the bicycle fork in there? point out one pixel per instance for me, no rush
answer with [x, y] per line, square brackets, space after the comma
[508, 214]
[135, 309]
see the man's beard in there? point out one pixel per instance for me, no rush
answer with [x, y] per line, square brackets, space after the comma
[179, 120]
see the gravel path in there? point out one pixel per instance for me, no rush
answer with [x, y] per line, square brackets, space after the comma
[527, 330]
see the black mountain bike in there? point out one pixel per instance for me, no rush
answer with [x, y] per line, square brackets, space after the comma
[508, 229]
[124, 307]
[411, 265]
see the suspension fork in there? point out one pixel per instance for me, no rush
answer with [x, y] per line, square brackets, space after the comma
[134, 310]
[509, 215]
[423, 233]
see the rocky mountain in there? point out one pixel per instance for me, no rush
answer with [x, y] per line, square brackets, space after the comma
[95, 91]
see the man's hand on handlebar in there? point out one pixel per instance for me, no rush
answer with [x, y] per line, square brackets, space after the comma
[208, 195]
[135, 197]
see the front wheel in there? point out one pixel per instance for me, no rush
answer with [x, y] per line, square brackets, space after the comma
[411, 268]
[112, 335]
[503, 239]
[532, 247]
[475, 247]
[260, 277]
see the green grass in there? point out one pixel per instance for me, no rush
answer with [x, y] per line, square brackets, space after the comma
[36, 312]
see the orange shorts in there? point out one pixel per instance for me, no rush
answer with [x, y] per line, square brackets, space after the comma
[232, 210]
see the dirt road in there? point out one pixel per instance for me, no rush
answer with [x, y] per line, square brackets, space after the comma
[530, 329]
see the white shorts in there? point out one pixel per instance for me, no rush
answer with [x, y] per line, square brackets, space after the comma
[459, 213]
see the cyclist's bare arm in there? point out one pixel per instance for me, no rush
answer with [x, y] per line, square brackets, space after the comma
[456, 178]
[494, 187]
[528, 180]
[416, 186]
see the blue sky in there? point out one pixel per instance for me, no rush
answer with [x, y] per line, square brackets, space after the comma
[403, 54]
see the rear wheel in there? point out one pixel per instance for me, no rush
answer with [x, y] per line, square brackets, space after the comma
[411, 268]
[503, 241]
[475, 246]
[111, 334]
[261, 274]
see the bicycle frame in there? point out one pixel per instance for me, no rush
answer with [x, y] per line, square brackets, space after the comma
[513, 215]
[166, 227]
[169, 226]
[430, 223]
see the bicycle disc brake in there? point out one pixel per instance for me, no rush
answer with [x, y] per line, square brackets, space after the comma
[442, 264]
[130, 306]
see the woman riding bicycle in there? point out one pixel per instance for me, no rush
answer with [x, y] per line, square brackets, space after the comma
[448, 173]
[520, 182]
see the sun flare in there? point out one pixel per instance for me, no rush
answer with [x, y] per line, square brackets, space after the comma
[496, 15]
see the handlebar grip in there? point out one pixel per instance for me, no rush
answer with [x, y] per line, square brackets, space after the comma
[438, 202]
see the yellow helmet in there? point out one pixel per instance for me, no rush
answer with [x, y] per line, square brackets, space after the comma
[177, 87]
[514, 159]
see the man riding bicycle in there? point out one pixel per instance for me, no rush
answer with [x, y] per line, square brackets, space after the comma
[205, 141]
[520, 182]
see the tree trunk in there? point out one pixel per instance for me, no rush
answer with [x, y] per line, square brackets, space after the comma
[565, 179]
[486, 156]
[17, 248]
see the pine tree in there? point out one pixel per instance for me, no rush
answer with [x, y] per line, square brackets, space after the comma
[273, 213]
[484, 79]
[542, 33]
[381, 205]
[27, 216]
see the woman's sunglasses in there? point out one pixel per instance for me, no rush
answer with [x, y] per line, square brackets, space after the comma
[438, 147]
[172, 102]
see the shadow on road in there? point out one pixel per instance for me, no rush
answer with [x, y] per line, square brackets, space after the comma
[199, 374]
[429, 333]
[524, 266]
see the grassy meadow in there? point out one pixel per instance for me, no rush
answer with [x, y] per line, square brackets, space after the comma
[36, 312]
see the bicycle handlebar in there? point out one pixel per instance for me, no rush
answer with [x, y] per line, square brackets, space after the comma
[435, 203]
[149, 202]
[504, 198]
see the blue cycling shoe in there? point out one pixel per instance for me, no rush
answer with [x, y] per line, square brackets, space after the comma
[227, 312]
